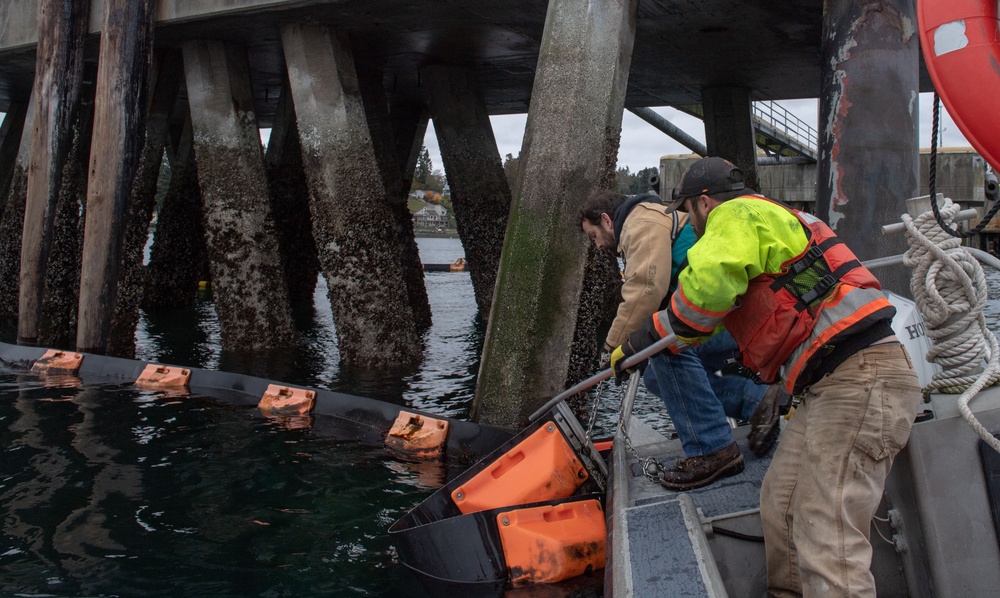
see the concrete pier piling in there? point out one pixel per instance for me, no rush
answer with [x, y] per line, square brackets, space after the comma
[570, 147]
[62, 28]
[248, 283]
[12, 218]
[729, 128]
[168, 72]
[119, 137]
[10, 143]
[868, 147]
[290, 202]
[479, 189]
[352, 222]
[178, 260]
[397, 187]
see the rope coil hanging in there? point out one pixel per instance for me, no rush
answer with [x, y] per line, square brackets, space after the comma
[949, 288]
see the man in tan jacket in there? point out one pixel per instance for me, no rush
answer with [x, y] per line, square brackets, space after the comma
[653, 245]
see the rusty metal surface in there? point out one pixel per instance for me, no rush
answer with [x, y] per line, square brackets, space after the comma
[681, 46]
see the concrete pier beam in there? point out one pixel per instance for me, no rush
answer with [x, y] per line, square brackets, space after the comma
[479, 189]
[168, 72]
[397, 192]
[352, 222]
[12, 218]
[248, 284]
[178, 260]
[868, 146]
[62, 27]
[117, 148]
[729, 128]
[570, 147]
[290, 202]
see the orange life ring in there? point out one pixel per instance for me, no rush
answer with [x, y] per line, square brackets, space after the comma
[960, 40]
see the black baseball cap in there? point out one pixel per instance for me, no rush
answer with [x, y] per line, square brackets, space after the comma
[706, 176]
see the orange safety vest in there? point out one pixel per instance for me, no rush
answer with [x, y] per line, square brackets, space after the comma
[780, 321]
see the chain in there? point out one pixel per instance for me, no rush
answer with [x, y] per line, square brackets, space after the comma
[594, 410]
[651, 468]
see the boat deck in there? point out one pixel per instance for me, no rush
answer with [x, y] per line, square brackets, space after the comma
[641, 563]
[935, 534]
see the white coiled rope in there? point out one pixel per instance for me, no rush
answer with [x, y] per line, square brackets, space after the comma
[949, 288]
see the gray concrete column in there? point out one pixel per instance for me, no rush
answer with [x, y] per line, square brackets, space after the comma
[729, 128]
[178, 260]
[247, 280]
[10, 142]
[62, 27]
[868, 147]
[479, 189]
[352, 222]
[290, 202]
[409, 126]
[118, 139]
[570, 147]
[168, 73]
[397, 192]
[12, 219]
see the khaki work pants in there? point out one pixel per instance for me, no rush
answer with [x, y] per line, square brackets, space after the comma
[829, 471]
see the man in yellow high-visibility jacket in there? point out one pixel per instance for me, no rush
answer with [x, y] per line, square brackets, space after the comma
[799, 304]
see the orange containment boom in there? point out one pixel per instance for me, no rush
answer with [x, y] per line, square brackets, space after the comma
[282, 401]
[541, 467]
[163, 377]
[553, 543]
[58, 362]
[417, 436]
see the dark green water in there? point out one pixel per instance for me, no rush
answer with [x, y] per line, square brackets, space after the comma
[111, 491]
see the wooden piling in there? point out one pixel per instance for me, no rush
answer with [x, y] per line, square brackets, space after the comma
[62, 28]
[119, 136]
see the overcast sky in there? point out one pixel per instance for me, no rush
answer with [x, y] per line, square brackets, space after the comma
[642, 145]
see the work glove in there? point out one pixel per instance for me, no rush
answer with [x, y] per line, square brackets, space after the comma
[617, 356]
[604, 358]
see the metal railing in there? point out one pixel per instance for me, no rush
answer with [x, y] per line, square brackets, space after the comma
[787, 123]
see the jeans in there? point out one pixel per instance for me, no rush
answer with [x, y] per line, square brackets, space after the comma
[697, 400]
[828, 474]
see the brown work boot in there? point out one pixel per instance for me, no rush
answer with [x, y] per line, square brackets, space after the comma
[695, 472]
[764, 421]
